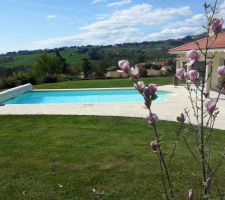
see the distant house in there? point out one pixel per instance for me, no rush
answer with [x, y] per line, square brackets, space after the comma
[115, 72]
[81, 75]
[156, 63]
[143, 64]
[153, 72]
[160, 63]
[156, 68]
[218, 47]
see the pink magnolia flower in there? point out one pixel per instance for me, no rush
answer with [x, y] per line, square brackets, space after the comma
[180, 73]
[147, 93]
[190, 194]
[139, 86]
[135, 72]
[152, 88]
[186, 75]
[124, 65]
[210, 105]
[153, 118]
[192, 75]
[193, 55]
[154, 145]
[217, 25]
[221, 71]
[148, 102]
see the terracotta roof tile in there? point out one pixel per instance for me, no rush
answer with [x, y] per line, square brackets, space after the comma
[219, 43]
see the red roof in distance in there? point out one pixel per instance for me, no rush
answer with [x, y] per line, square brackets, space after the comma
[219, 43]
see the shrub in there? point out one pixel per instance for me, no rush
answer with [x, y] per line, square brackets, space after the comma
[49, 78]
[60, 77]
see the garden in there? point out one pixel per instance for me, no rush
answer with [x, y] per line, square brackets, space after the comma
[90, 157]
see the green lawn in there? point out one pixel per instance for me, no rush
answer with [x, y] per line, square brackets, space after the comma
[66, 157]
[103, 83]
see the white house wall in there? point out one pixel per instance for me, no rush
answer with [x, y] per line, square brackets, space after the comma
[217, 61]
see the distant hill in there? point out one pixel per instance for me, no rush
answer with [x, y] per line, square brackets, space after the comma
[136, 52]
[169, 42]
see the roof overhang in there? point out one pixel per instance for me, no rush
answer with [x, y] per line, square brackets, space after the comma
[184, 52]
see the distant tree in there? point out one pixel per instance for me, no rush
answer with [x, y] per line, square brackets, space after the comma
[82, 50]
[141, 58]
[47, 65]
[95, 53]
[103, 65]
[86, 66]
[63, 61]
[73, 71]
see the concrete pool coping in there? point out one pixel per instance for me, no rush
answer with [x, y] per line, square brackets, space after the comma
[168, 110]
[83, 89]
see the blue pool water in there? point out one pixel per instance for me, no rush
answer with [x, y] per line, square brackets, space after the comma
[83, 96]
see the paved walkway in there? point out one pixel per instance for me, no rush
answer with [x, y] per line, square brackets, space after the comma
[168, 110]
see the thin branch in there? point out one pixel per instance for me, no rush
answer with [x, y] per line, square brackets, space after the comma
[172, 155]
[219, 163]
[162, 176]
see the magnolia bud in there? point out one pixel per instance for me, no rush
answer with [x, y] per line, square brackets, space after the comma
[190, 194]
[154, 145]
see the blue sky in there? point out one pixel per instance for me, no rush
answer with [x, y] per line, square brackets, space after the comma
[34, 24]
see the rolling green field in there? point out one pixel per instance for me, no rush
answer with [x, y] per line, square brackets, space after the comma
[25, 60]
[21, 61]
[86, 157]
[103, 83]
[72, 56]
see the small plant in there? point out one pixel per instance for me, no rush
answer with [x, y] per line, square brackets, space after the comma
[204, 110]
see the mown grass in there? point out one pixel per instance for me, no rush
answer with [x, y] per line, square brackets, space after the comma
[103, 83]
[86, 157]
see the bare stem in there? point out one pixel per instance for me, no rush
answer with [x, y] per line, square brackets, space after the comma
[172, 155]
[162, 156]
[162, 176]
[160, 153]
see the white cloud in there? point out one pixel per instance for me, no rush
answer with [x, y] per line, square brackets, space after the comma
[195, 20]
[124, 26]
[49, 17]
[119, 3]
[173, 33]
[222, 10]
[222, 5]
[94, 38]
[101, 16]
[97, 1]
[141, 14]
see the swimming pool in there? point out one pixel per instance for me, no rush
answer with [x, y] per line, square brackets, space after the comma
[83, 96]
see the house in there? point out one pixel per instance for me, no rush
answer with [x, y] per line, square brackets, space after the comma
[143, 64]
[157, 68]
[115, 72]
[81, 75]
[217, 48]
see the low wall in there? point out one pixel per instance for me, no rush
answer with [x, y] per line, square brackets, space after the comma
[14, 92]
